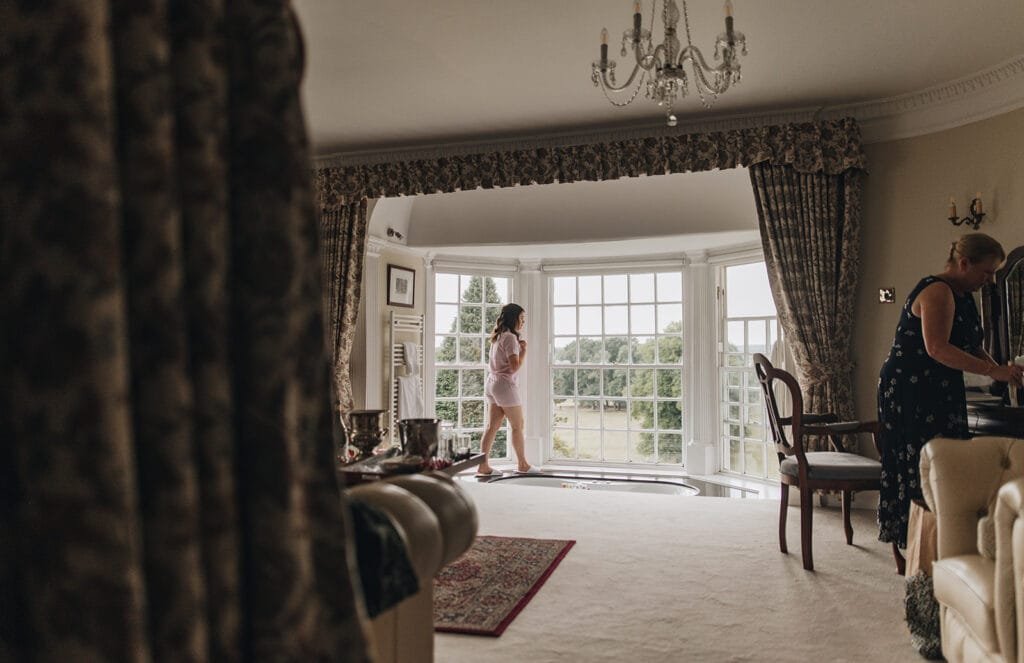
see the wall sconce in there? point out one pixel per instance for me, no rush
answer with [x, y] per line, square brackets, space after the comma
[397, 235]
[976, 213]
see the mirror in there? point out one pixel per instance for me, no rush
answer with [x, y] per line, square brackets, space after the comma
[1003, 310]
[1014, 297]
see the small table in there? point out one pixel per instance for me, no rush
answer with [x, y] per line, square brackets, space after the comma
[352, 475]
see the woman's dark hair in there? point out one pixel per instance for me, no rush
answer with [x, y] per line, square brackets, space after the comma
[507, 321]
[976, 247]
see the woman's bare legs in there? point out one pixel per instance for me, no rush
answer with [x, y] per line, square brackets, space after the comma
[495, 417]
[515, 420]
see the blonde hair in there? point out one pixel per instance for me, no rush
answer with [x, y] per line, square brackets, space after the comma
[975, 247]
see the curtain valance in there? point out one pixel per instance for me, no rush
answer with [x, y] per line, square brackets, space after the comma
[829, 147]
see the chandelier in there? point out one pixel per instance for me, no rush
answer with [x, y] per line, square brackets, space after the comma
[663, 67]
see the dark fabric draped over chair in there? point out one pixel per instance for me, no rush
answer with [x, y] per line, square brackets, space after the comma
[810, 231]
[343, 248]
[167, 476]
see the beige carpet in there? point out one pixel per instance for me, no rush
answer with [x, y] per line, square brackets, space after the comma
[665, 578]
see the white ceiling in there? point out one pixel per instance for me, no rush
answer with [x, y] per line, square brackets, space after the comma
[398, 74]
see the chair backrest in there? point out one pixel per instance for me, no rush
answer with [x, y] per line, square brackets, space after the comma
[766, 376]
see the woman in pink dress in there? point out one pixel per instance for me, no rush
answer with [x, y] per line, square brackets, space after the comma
[508, 352]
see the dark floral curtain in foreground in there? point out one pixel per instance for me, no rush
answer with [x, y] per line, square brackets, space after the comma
[343, 243]
[810, 231]
[166, 475]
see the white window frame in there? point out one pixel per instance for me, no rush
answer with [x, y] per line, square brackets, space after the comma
[459, 268]
[552, 271]
[723, 262]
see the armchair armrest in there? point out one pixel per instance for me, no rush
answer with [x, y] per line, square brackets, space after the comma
[959, 479]
[1009, 603]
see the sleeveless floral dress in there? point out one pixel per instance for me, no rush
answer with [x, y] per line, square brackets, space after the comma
[918, 399]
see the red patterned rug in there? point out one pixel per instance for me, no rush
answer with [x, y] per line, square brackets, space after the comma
[481, 592]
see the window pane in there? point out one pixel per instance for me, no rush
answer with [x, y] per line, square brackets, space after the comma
[670, 448]
[500, 448]
[735, 453]
[473, 382]
[732, 378]
[642, 349]
[641, 319]
[615, 382]
[472, 289]
[563, 382]
[590, 290]
[615, 320]
[670, 383]
[497, 290]
[444, 349]
[492, 318]
[564, 289]
[732, 395]
[446, 288]
[446, 382]
[670, 350]
[565, 320]
[472, 413]
[615, 289]
[641, 416]
[563, 412]
[470, 350]
[641, 382]
[615, 444]
[563, 443]
[757, 337]
[616, 349]
[734, 336]
[670, 318]
[754, 457]
[736, 361]
[445, 321]
[447, 411]
[670, 287]
[641, 287]
[588, 441]
[565, 350]
[641, 447]
[615, 415]
[670, 416]
[591, 351]
[747, 291]
[590, 320]
[471, 319]
[589, 382]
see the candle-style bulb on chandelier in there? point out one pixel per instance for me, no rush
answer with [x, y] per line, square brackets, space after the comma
[661, 70]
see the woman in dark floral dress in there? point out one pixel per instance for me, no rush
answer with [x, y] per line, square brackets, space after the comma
[921, 387]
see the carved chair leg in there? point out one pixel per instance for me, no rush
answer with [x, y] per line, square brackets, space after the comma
[847, 527]
[901, 562]
[806, 520]
[783, 508]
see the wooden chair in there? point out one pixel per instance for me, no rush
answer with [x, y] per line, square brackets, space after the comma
[810, 471]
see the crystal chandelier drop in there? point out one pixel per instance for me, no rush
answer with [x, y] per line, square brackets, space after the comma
[662, 67]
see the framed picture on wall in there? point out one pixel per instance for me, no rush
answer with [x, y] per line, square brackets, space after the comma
[401, 286]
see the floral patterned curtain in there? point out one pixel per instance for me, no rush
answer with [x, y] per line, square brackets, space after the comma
[831, 147]
[166, 476]
[810, 231]
[343, 244]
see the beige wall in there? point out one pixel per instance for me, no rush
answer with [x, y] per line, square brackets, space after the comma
[408, 261]
[906, 235]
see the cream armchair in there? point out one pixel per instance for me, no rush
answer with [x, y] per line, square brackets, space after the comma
[978, 584]
[437, 521]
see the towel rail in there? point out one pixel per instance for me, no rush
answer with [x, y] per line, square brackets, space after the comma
[411, 327]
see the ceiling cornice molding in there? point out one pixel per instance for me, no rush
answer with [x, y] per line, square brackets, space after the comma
[987, 93]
